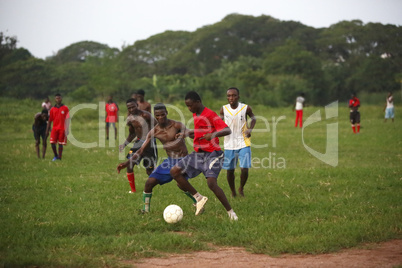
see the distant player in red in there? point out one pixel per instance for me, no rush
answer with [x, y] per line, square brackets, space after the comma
[112, 115]
[59, 115]
[354, 104]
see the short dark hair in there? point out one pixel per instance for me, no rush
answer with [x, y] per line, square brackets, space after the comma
[302, 94]
[140, 92]
[159, 106]
[44, 111]
[131, 100]
[57, 95]
[192, 95]
[235, 88]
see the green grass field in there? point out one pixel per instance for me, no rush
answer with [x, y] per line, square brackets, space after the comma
[77, 212]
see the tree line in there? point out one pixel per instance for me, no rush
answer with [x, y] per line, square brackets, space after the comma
[269, 60]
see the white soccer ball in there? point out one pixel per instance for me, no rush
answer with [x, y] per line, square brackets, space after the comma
[173, 214]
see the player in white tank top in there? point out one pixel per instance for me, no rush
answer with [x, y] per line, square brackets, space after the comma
[237, 144]
[237, 121]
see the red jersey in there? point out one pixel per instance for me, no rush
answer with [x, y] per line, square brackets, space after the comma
[111, 112]
[207, 122]
[58, 116]
[354, 103]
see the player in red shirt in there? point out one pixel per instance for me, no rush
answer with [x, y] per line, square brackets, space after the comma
[112, 116]
[354, 105]
[59, 115]
[207, 157]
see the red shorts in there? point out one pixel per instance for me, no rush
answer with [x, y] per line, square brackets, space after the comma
[58, 136]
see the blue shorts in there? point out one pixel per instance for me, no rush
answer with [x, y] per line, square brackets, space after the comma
[162, 172]
[232, 156]
[389, 113]
[210, 164]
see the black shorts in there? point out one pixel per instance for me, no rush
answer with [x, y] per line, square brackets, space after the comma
[149, 156]
[108, 124]
[354, 117]
[40, 132]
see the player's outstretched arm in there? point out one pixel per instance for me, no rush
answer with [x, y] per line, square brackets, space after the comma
[224, 132]
[130, 138]
[183, 132]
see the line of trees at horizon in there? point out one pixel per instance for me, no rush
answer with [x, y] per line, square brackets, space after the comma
[269, 60]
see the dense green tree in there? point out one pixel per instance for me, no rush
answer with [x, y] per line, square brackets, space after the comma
[79, 52]
[29, 78]
[293, 59]
[269, 60]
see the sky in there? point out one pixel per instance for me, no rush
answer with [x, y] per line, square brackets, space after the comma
[46, 26]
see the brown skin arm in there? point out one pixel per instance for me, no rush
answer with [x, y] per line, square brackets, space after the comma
[49, 125]
[184, 134]
[224, 132]
[221, 115]
[130, 138]
[252, 123]
[138, 153]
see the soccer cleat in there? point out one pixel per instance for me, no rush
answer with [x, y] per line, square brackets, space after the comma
[56, 158]
[233, 216]
[141, 211]
[200, 205]
[131, 192]
[201, 211]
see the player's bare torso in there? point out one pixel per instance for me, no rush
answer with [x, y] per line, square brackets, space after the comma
[140, 123]
[175, 148]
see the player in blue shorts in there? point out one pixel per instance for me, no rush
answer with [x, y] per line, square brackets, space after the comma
[166, 131]
[237, 144]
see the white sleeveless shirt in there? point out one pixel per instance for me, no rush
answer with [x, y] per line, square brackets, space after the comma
[390, 102]
[237, 121]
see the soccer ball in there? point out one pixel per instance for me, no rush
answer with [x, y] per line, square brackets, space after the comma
[173, 214]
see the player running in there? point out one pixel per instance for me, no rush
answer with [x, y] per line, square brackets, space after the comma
[59, 115]
[208, 156]
[139, 124]
[166, 131]
[354, 104]
[142, 104]
[237, 144]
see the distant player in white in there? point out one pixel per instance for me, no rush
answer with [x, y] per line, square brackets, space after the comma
[389, 107]
[299, 109]
[237, 144]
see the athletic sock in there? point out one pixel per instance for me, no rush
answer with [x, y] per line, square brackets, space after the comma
[54, 149]
[354, 129]
[358, 128]
[146, 197]
[198, 196]
[232, 215]
[131, 180]
[192, 198]
[60, 150]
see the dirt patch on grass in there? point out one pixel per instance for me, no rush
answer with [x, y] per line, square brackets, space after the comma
[387, 254]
